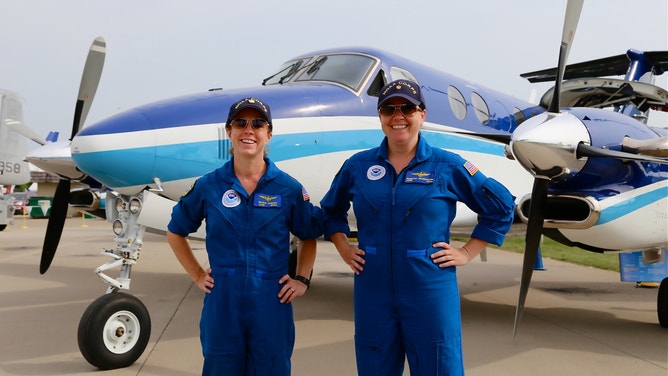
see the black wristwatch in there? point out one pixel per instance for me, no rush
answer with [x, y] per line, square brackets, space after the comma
[303, 280]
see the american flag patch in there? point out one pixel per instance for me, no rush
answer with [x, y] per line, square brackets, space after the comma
[305, 194]
[470, 167]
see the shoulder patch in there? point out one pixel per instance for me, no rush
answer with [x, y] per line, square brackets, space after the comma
[471, 168]
[189, 189]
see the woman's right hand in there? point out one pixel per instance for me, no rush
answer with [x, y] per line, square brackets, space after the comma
[205, 281]
[353, 256]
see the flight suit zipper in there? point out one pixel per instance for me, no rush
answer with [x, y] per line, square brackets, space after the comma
[251, 240]
[396, 180]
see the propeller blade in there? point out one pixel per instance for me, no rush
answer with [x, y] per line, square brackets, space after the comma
[56, 223]
[573, 10]
[533, 234]
[89, 81]
[501, 138]
[585, 150]
[654, 147]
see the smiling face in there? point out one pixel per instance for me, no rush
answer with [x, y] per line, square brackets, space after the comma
[401, 130]
[251, 139]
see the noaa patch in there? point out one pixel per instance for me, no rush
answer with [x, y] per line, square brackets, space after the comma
[375, 172]
[231, 199]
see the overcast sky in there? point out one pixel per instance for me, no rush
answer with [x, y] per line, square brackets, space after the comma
[158, 49]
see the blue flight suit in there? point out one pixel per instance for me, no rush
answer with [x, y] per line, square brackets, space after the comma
[405, 305]
[244, 329]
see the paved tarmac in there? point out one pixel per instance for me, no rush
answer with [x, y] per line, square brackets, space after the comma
[577, 320]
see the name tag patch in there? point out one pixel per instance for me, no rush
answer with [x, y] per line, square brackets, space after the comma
[419, 177]
[264, 200]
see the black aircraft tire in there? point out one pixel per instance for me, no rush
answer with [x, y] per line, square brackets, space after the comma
[114, 331]
[662, 303]
[2, 227]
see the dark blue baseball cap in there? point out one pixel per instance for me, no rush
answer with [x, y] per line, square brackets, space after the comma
[250, 102]
[406, 89]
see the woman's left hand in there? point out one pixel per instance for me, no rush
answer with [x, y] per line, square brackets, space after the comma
[291, 289]
[449, 255]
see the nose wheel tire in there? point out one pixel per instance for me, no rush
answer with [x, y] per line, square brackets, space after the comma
[114, 331]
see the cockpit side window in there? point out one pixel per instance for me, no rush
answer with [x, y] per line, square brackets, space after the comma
[378, 83]
[380, 80]
[400, 73]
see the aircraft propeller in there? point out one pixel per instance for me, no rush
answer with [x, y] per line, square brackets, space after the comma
[553, 144]
[543, 176]
[89, 82]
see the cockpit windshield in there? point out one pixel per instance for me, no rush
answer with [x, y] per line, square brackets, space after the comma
[285, 71]
[350, 70]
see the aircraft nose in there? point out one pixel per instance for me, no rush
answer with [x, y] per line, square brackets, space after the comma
[118, 151]
[546, 145]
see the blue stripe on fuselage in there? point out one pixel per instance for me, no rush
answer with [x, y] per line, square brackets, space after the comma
[456, 142]
[138, 166]
[632, 204]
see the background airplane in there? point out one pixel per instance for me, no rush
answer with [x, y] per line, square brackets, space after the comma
[14, 170]
[324, 112]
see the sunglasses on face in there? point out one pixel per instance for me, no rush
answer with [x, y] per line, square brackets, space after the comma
[255, 123]
[390, 109]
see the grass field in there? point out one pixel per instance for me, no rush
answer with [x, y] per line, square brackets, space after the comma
[551, 249]
[558, 251]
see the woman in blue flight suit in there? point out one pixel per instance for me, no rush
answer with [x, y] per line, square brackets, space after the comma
[404, 195]
[250, 208]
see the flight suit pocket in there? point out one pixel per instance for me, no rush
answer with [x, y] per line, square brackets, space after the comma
[422, 269]
[497, 195]
[375, 270]
[449, 359]
[262, 366]
[369, 250]
[369, 355]
[417, 253]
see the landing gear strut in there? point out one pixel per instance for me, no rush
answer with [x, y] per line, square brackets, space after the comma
[115, 329]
